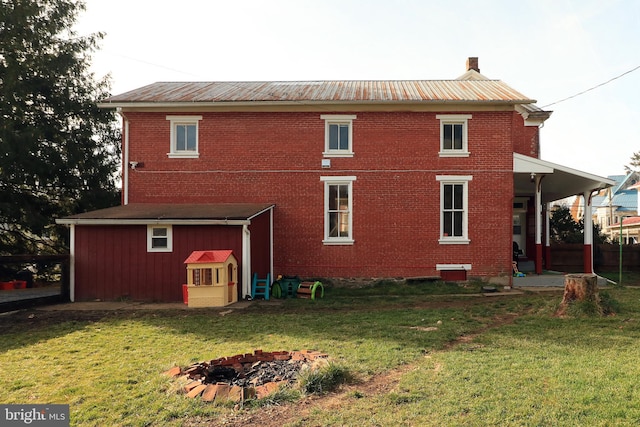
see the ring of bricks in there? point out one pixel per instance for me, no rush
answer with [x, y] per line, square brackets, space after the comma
[240, 381]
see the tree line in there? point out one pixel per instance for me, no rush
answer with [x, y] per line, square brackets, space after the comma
[59, 152]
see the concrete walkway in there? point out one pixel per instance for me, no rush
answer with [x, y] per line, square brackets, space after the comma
[29, 293]
[547, 279]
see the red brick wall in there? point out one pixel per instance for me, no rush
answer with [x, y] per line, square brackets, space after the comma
[276, 158]
[526, 138]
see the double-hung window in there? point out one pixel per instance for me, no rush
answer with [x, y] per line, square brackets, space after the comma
[338, 210]
[454, 209]
[453, 135]
[184, 136]
[338, 135]
[159, 238]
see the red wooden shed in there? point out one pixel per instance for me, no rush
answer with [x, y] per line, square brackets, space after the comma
[137, 251]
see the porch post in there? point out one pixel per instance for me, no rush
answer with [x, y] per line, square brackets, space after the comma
[547, 239]
[588, 234]
[538, 224]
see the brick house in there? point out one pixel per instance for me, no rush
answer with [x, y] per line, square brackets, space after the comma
[323, 179]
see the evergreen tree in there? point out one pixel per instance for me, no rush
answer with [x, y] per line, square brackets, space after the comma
[59, 152]
[634, 165]
[563, 228]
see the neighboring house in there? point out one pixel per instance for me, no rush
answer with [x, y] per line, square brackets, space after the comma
[611, 205]
[323, 179]
[616, 203]
[627, 220]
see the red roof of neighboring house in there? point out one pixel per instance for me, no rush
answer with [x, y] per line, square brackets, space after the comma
[202, 257]
[631, 220]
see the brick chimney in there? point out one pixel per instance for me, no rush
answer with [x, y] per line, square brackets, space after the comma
[472, 63]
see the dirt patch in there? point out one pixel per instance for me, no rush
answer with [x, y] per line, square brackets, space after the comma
[270, 416]
[277, 416]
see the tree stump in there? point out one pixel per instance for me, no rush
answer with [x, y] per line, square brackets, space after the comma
[580, 287]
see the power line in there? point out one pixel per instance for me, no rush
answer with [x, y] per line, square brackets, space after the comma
[592, 88]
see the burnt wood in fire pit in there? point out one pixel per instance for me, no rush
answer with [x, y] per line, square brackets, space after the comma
[257, 374]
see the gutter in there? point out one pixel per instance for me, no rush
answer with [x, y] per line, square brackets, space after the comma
[150, 221]
[182, 104]
[125, 160]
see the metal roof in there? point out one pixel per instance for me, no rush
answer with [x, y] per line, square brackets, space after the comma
[150, 213]
[626, 200]
[479, 90]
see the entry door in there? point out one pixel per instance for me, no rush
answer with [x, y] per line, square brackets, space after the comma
[519, 228]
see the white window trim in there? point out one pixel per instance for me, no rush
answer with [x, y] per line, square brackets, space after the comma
[150, 247]
[337, 119]
[183, 120]
[455, 179]
[336, 180]
[454, 119]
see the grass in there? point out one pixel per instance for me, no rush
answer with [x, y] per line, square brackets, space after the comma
[535, 370]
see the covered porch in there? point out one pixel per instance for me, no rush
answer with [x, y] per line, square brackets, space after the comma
[539, 183]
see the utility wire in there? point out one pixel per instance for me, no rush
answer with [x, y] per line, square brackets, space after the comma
[592, 88]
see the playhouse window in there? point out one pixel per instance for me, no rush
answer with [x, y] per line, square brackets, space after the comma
[159, 238]
[454, 211]
[184, 136]
[338, 135]
[453, 135]
[338, 208]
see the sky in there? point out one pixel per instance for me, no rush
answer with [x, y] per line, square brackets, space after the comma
[548, 50]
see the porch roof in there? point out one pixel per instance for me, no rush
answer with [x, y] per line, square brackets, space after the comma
[558, 182]
[165, 213]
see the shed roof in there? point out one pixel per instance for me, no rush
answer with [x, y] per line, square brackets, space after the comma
[153, 213]
[208, 257]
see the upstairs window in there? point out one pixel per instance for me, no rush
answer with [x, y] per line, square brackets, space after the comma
[454, 209]
[184, 136]
[338, 135]
[338, 208]
[159, 238]
[453, 135]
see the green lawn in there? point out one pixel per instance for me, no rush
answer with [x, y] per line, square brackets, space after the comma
[519, 365]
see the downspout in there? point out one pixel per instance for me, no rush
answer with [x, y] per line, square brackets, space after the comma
[72, 263]
[588, 234]
[547, 239]
[246, 261]
[125, 161]
[271, 242]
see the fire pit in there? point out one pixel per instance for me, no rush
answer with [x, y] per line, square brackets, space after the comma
[244, 376]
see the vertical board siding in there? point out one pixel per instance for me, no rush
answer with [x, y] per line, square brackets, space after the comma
[112, 262]
[260, 244]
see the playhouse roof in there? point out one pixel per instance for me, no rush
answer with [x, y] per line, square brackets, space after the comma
[209, 257]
